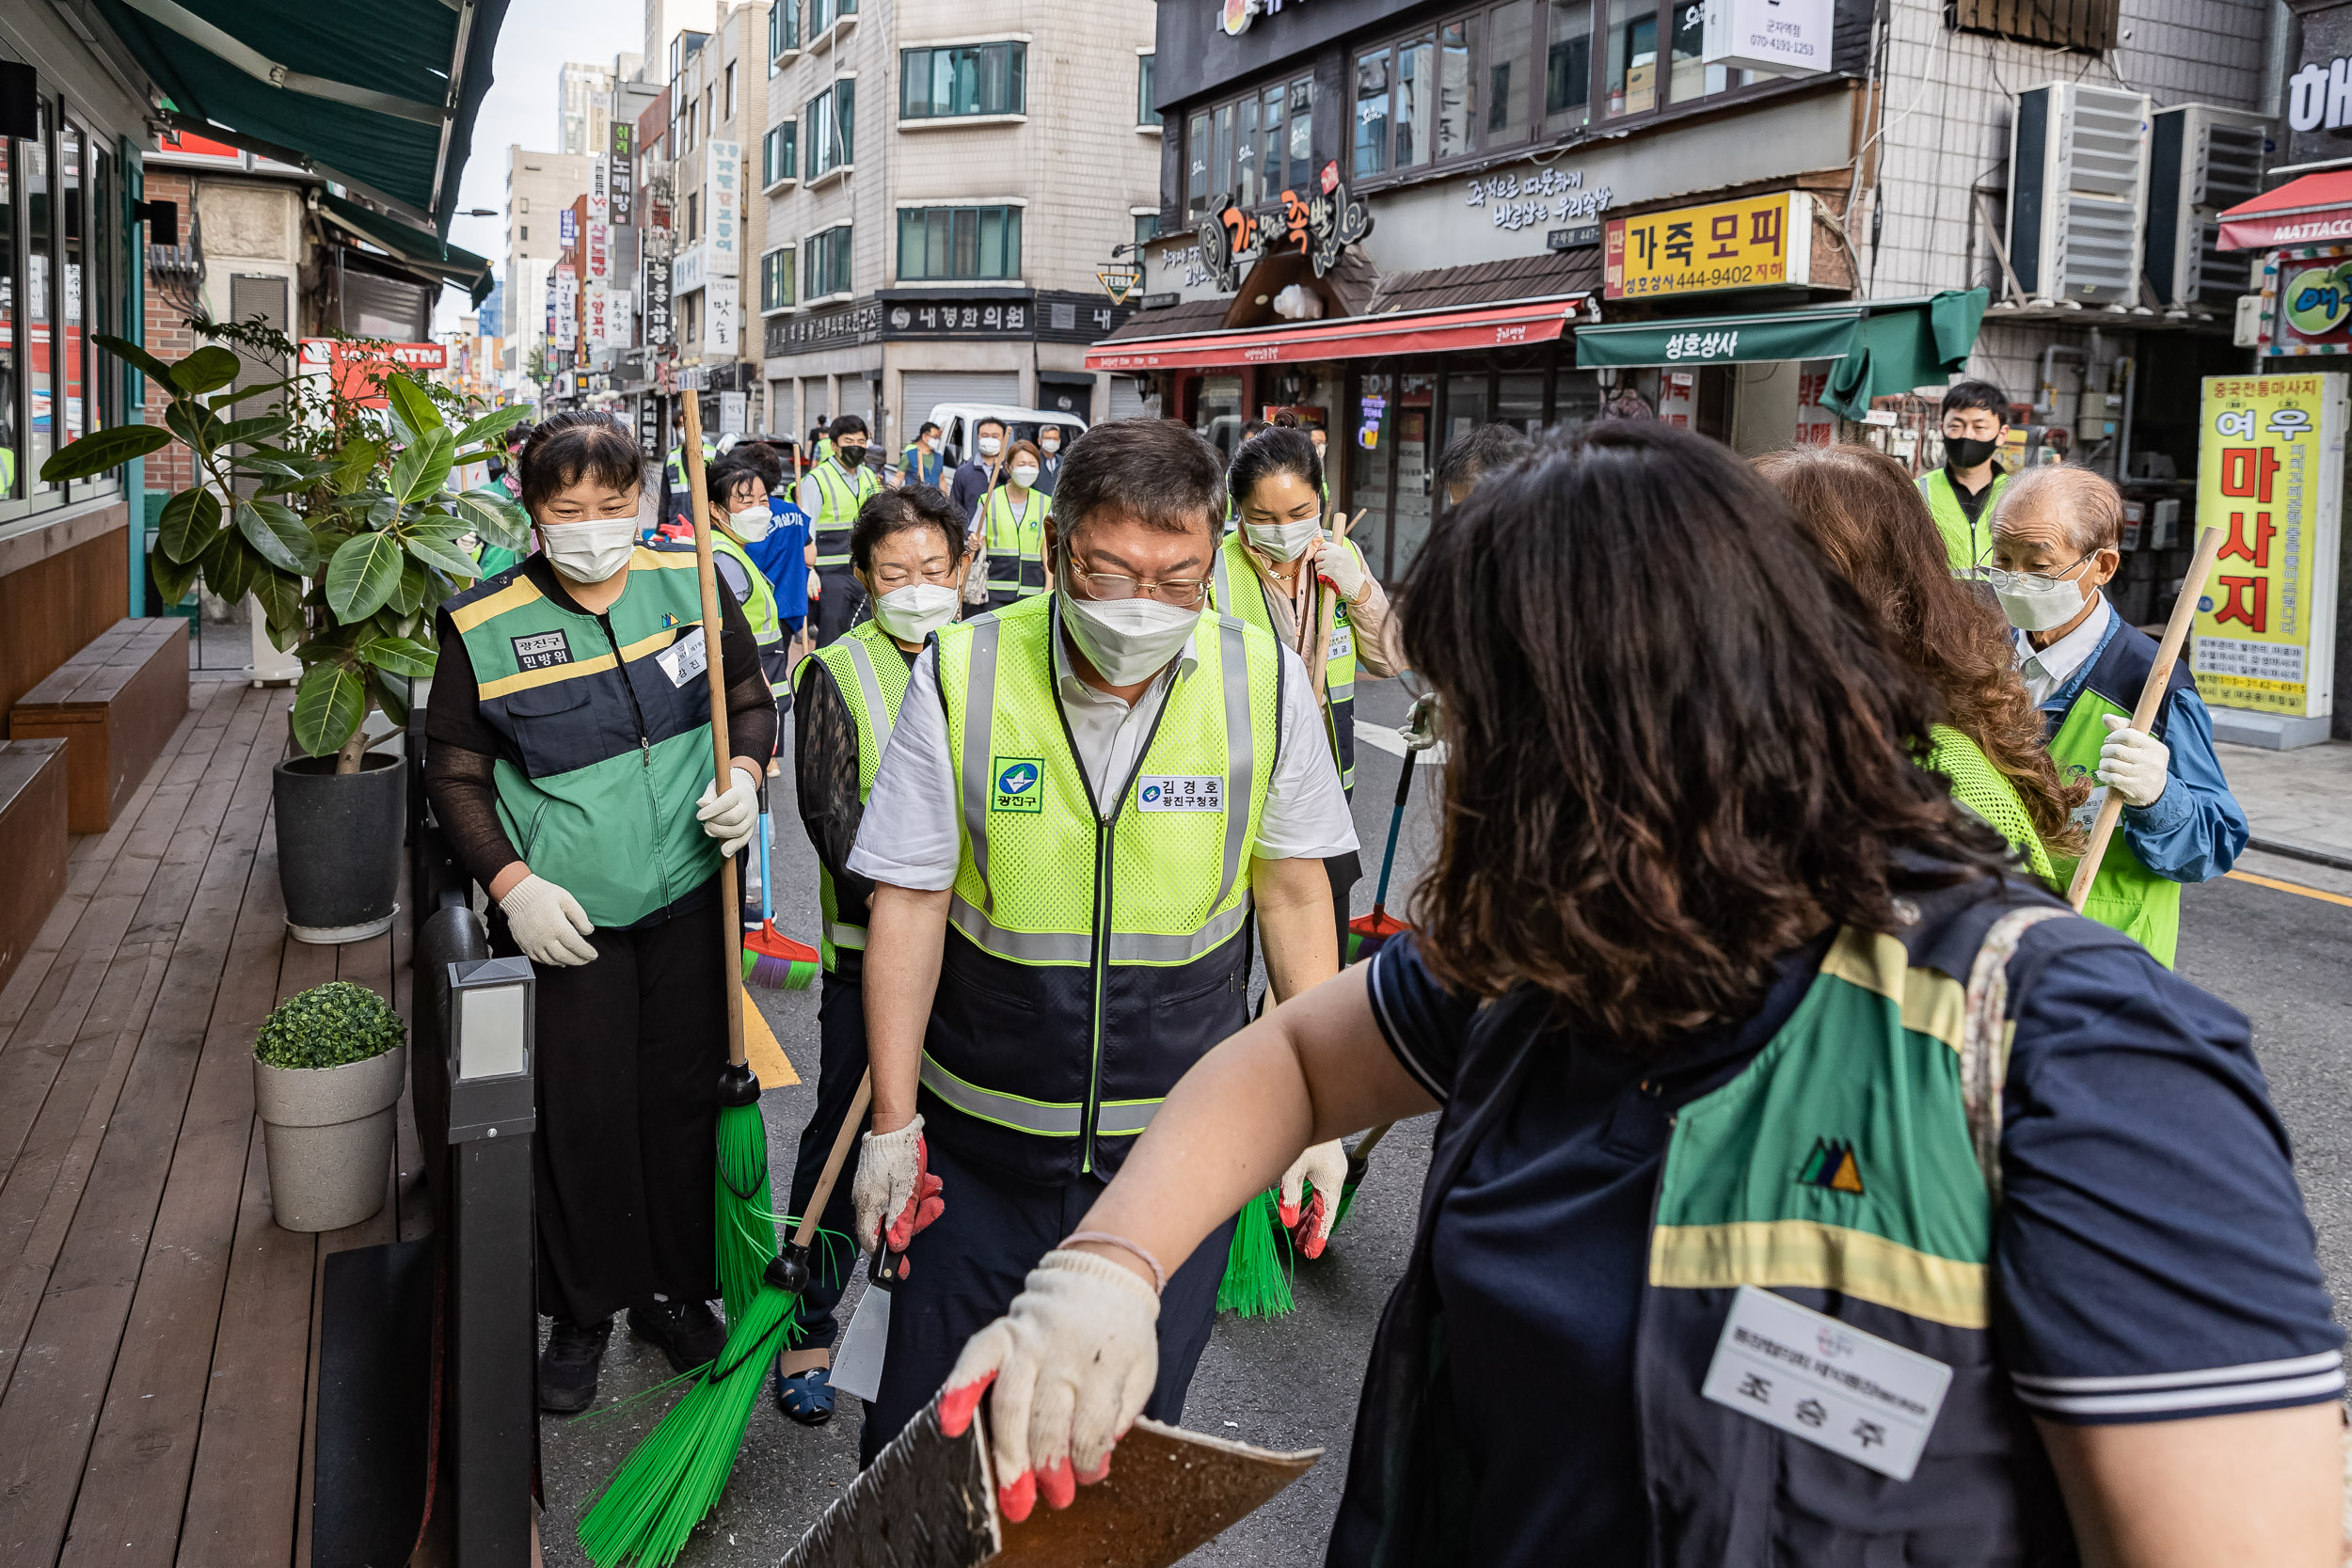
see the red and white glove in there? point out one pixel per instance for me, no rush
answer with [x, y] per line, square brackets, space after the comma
[1338, 566]
[1073, 1360]
[1325, 1166]
[894, 1188]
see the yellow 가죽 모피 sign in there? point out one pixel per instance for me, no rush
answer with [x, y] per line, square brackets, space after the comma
[1755, 242]
[2270, 477]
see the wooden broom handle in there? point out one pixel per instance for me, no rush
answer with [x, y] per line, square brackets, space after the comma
[839, 1156]
[722, 756]
[2150, 704]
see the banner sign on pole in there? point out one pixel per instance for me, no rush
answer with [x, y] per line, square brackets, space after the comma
[723, 197]
[2270, 476]
[624, 175]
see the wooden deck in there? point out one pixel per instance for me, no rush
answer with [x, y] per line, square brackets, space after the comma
[158, 1332]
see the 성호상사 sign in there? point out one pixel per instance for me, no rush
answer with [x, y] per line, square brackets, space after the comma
[1755, 242]
[2270, 477]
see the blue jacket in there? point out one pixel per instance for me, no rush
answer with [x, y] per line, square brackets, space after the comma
[782, 558]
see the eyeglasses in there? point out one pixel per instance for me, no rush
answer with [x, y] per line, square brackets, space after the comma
[2004, 581]
[1110, 587]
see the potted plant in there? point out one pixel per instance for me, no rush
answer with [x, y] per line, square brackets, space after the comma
[328, 1068]
[333, 510]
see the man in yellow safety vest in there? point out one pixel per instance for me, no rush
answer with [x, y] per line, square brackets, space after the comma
[1961, 493]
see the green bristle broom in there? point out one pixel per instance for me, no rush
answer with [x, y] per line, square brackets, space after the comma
[1256, 1280]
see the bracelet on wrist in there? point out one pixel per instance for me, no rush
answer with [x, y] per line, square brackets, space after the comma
[1159, 1276]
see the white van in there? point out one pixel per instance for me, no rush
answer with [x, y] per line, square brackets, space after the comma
[956, 421]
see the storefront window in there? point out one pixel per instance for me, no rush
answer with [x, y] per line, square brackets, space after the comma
[1464, 403]
[1576, 399]
[1221, 155]
[1507, 74]
[1692, 76]
[1371, 113]
[40, 271]
[1409, 514]
[1457, 93]
[1368, 439]
[11, 422]
[1246, 190]
[1415, 99]
[104, 310]
[1632, 85]
[1567, 65]
[1196, 167]
[74, 338]
[1519, 400]
[1219, 416]
[1270, 132]
[1302, 132]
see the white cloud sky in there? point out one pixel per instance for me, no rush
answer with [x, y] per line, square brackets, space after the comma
[537, 37]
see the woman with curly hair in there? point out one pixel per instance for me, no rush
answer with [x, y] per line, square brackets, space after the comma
[1862, 509]
[1806, 1186]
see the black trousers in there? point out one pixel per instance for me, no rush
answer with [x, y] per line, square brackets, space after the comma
[841, 1067]
[838, 601]
[1344, 871]
[628, 1053]
[964, 1271]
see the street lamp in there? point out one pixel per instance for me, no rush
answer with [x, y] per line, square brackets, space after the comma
[478, 213]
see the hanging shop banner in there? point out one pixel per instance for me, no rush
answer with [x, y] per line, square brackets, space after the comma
[599, 248]
[357, 369]
[2270, 476]
[1756, 242]
[567, 306]
[719, 322]
[568, 228]
[2307, 302]
[656, 293]
[623, 179]
[600, 189]
[723, 199]
[595, 313]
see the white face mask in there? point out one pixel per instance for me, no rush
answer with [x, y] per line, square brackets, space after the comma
[913, 612]
[752, 523]
[589, 551]
[2033, 602]
[989, 445]
[1024, 474]
[1049, 445]
[1284, 541]
[1127, 640]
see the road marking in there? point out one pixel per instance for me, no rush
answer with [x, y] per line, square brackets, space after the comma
[2291, 887]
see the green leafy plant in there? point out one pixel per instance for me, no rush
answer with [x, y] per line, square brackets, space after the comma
[330, 1025]
[336, 516]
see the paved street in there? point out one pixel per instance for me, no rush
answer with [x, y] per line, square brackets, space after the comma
[1292, 1382]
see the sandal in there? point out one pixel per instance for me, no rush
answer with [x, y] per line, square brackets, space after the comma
[806, 1396]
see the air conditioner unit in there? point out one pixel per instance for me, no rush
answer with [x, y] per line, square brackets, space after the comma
[2077, 166]
[2202, 160]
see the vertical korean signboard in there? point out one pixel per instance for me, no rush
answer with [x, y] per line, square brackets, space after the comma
[623, 176]
[723, 199]
[2270, 477]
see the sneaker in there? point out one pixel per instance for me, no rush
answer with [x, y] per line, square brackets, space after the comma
[688, 1332]
[567, 1367]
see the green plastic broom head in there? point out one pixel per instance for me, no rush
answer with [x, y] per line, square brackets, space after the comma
[1256, 1283]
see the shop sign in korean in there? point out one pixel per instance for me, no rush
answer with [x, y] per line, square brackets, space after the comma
[2270, 477]
[623, 178]
[599, 248]
[723, 197]
[1318, 225]
[655, 294]
[1756, 241]
[2307, 302]
[600, 189]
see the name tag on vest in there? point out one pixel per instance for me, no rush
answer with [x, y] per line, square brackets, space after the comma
[1343, 639]
[1165, 793]
[2086, 815]
[683, 659]
[1826, 1382]
[541, 651]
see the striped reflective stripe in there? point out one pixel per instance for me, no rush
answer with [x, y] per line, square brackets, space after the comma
[512, 596]
[842, 934]
[1240, 761]
[1811, 1255]
[1218, 585]
[869, 692]
[525, 680]
[1124, 1118]
[1340, 691]
[1932, 1004]
[979, 718]
[832, 528]
[1042, 1118]
[1077, 948]
[2304, 1380]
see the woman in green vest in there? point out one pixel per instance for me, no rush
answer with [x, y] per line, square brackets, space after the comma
[908, 552]
[1012, 518]
[1807, 1187]
[569, 762]
[1859, 508]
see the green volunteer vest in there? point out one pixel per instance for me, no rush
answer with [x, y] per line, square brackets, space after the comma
[1117, 937]
[1016, 544]
[675, 466]
[839, 494]
[2124, 895]
[1964, 545]
[1983, 789]
[613, 739]
[1233, 567]
[759, 609]
[871, 676]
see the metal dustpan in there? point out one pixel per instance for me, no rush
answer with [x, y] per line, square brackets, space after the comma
[930, 1501]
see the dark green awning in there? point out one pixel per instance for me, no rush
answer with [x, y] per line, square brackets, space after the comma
[1881, 347]
[378, 94]
[414, 246]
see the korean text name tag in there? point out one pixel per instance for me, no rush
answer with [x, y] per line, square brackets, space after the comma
[683, 659]
[1165, 793]
[1826, 1382]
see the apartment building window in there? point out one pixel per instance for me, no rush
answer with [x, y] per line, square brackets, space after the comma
[1145, 113]
[831, 117]
[1253, 147]
[825, 263]
[1567, 65]
[1147, 227]
[976, 79]
[783, 29]
[775, 279]
[779, 155]
[693, 213]
[824, 13]
[730, 99]
[526, 233]
[958, 242]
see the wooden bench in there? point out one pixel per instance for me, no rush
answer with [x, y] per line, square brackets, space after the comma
[114, 703]
[32, 842]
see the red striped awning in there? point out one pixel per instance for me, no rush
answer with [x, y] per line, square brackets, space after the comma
[1507, 325]
[2314, 210]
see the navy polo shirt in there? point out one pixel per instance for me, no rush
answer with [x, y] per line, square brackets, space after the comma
[2151, 1257]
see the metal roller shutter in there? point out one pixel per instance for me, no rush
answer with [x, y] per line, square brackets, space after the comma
[920, 391]
[1127, 400]
[857, 397]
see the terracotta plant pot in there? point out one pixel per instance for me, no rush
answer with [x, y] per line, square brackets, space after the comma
[329, 1135]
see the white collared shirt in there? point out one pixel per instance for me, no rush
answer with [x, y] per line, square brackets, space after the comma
[910, 835]
[2046, 669]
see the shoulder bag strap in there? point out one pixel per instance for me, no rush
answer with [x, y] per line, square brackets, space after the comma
[1985, 1036]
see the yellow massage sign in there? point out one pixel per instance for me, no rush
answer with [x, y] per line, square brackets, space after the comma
[1755, 243]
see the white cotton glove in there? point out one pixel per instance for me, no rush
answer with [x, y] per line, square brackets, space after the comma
[1336, 564]
[1325, 1166]
[895, 1187]
[730, 818]
[1072, 1359]
[2133, 763]
[548, 924]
